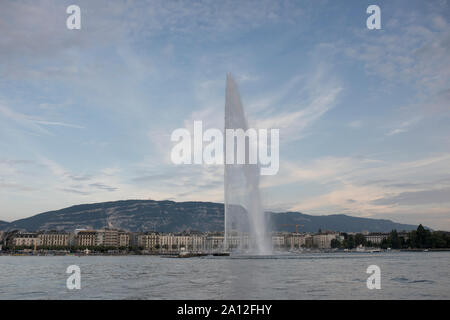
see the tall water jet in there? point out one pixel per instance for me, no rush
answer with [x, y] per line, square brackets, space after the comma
[245, 221]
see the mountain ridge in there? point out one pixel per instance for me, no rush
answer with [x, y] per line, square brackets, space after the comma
[170, 216]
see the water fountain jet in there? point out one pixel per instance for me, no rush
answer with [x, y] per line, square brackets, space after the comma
[245, 221]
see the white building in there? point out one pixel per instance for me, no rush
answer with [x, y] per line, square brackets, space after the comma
[297, 240]
[323, 240]
[30, 239]
[376, 237]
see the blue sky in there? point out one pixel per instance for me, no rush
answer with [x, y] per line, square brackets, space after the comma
[86, 115]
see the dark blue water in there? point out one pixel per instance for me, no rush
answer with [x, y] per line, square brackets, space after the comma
[417, 275]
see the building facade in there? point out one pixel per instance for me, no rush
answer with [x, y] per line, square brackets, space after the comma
[29, 239]
[54, 239]
[148, 241]
[323, 240]
[87, 238]
[376, 237]
[124, 239]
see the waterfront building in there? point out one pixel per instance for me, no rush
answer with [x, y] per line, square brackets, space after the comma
[376, 237]
[323, 240]
[29, 239]
[167, 241]
[183, 241]
[54, 239]
[197, 242]
[297, 240]
[99, 236]
[110, 237]
[124, 239]
[87, 238]
[278, 241]
[215, 241]
[149, 241]
[134, 238]
[174, 242]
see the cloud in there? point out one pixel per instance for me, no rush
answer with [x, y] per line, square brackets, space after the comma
[80, 177]
[404, 126]
[39, 28]
[437, 196]
[15, 186]
[414, 51]
[315, 96]
[76, 191]
[294, 123]
[31, 122]
[206, 180]
[15, 162]
[342, 179]
[355, 124]
[103, 187]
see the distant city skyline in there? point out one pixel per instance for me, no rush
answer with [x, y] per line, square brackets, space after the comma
[86, 115]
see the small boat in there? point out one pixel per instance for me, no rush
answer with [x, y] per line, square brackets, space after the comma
[185, 254]
[221, 254]
[360, 248]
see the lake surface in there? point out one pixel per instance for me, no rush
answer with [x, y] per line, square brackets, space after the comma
[404, 275]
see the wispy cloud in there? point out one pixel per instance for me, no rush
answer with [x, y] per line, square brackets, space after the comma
[350, 178]
[413, 51]
[404, 126]
[356, 124]
[432, 196]
[32, 122]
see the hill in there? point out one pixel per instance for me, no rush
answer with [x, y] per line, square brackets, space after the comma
[3, 225]
[170, 216]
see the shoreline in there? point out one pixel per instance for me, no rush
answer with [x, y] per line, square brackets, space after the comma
[177, 255]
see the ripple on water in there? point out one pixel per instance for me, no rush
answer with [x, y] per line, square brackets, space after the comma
[324, 276]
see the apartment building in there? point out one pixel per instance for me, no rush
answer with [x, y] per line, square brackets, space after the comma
[376, 237]
[168, 242]
[323, 240]
[87, 238]
[296, 240]
[148, 241]
[124, 239]
[215, 241]
[29, 239]
[110, 237]
[197, 242]
[278, 241]
[54, 239]
[100, 235]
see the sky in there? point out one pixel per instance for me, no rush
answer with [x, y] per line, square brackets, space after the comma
[86, 115]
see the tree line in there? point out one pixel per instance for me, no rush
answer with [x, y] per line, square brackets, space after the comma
[416, 239]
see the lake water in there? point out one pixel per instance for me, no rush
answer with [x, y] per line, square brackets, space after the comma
[404, 275]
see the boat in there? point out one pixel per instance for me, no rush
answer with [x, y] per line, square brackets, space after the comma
[185, 254]
[360, 248]
[221, 254]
